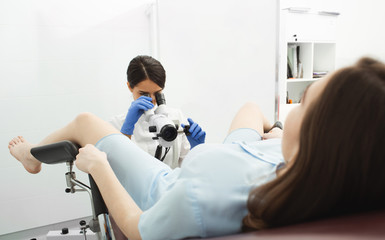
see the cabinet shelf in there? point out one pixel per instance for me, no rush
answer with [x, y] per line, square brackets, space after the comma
[307, 50]
[293, 80]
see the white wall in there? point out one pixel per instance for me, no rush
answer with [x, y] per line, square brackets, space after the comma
[57, 59]
[218, 55]
[359, 27]
[360, 31]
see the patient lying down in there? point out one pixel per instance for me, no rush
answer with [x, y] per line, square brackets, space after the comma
[329, 158]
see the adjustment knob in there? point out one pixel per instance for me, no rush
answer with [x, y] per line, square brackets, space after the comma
[64, 231]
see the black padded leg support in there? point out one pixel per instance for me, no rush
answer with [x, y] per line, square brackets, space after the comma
[60, 152]
[66, 151]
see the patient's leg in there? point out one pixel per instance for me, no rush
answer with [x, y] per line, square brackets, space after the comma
[86, 128]
[250, 116]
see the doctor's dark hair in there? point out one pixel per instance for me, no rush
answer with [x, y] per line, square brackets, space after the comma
[341, 158]
[145, 67]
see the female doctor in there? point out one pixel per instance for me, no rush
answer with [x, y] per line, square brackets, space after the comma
[145, 78]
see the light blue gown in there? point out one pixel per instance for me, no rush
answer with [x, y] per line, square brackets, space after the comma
[206, 196]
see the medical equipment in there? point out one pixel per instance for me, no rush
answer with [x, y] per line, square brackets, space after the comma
[70, 234]
[165, 130]
[66, 151]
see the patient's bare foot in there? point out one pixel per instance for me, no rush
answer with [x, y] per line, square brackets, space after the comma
[21, 150]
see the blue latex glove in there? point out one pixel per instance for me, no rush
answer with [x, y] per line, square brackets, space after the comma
[197, 135]
[136, 110]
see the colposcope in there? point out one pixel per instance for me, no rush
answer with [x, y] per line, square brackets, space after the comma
[164, 129]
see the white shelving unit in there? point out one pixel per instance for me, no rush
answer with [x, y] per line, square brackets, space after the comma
[313, 32]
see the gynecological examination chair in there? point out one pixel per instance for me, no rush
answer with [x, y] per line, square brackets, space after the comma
[65, 152]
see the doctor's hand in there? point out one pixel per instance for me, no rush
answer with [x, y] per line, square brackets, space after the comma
[136, 110]
[89, 158]
[197, 135]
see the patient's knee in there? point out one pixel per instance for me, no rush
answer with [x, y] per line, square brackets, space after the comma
[84, 118]
[251, 105]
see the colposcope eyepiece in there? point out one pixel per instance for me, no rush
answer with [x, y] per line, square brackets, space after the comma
[160, 99]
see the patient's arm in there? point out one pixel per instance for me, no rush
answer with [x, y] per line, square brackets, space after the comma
[120, 204]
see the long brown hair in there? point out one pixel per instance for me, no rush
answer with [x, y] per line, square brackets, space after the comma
[340, 165]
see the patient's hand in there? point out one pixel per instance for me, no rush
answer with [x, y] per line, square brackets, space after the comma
[90, 157]
[273, 133]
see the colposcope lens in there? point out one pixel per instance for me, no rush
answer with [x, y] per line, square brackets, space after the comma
[168, 132]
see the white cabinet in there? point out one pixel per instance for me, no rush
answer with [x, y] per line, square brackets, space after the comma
[307, 52]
